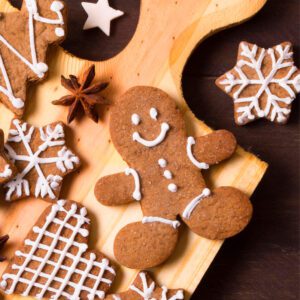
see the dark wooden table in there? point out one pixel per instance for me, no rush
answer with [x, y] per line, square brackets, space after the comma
[262, 262]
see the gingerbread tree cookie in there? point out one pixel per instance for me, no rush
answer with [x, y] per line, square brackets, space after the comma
[263, 84]
[7, 169]
[24, 40]
[164, 174]
[54, 261]
[41, 158]
[144, 288]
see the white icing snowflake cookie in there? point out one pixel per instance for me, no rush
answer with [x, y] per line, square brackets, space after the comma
[144, 288]
[41, 158]
[7, 169]
[263, 84]
[54, 261]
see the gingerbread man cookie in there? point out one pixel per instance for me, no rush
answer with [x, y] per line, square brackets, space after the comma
[7, 168]
[54, 261]
[144, 288]
[41, 159]
[24, 40]
[263, 84]
[164, 174]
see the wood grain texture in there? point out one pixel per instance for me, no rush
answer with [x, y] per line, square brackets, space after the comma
[161, 67]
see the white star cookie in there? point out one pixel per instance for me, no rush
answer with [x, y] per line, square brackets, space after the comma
[100, 15]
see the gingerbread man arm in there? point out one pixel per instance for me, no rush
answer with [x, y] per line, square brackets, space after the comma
[119, 189]
[211, 149]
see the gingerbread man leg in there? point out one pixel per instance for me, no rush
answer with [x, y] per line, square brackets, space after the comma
[219, 214]
[145, 245]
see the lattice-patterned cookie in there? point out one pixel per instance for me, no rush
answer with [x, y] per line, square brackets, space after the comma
[42, 159]
[7, 169]
[263, 83]
[24, 40]
[54, 261]
[144, 288]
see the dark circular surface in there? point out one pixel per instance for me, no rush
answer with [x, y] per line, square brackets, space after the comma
[262, 263]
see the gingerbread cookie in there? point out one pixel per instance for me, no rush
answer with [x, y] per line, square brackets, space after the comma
[3, 241]
[7, 169]
[54, 261]
[164, 174]
[144, 288]
[263, 84]
[24, 40]
[41, 158]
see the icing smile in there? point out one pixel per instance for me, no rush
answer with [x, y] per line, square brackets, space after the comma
[160, 138]
[136, 119]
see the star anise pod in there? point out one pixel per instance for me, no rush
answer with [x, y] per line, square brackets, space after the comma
[84, 96]
[3, 241]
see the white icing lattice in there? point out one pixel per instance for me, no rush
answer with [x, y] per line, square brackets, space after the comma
[51, 137]
[276, 108]
[38, 275]
[38, 68]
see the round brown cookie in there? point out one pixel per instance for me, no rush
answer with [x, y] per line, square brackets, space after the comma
[54, 261]
[7, 168]
[145, 288]
[148, 130]
[25, 37]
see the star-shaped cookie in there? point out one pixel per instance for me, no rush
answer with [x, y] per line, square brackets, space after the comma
[25, 37]
[41, 158]
[144, 288]
[7, 169]
[100, 15]
[54, 261]
[263, 83]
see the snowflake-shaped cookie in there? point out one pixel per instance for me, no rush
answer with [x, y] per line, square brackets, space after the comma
[263, 83]
[42, 159]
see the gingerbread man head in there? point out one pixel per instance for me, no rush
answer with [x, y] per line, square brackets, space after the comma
[24, 40]
[149, 132]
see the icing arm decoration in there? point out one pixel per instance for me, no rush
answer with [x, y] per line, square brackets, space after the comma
[137, 191]
[193, 204]
[200, 165]
[175, 224]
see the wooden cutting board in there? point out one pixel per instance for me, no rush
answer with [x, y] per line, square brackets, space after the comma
[167, 33]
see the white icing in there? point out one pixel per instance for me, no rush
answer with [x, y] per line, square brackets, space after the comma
[147, 291]
[168, 174]
[137, 195]
[37, 67]
[59, 291]
[116, 297]
[172, 187]
[65, 160]
[175, 224]
[162, 163]
[153, 113]
[135, 119]
[275, 105]
[100, 15]
[160, 138]
[200, 165]
[193, 204]
[178, 296]
[7, 172]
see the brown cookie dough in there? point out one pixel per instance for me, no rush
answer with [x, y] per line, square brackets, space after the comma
[164, 174]
[25, 37]
[145, 288]
[54, 261]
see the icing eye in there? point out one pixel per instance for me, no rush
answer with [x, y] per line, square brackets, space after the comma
[135, 119]
[153, 113]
